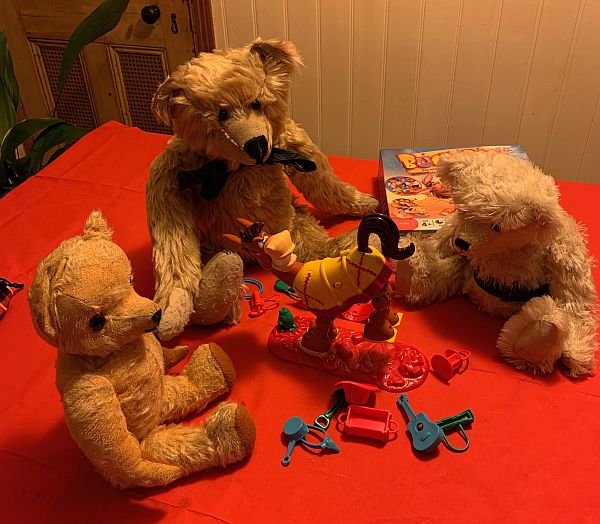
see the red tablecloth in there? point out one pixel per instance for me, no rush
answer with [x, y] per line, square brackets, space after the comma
[533, 457]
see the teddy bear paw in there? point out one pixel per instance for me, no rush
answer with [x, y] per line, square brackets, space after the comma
[211, 368]
[232, 432]
[219, 293]
[363, 204]
[404, 275]
[176, 315]
[535, 348]
[234, 315]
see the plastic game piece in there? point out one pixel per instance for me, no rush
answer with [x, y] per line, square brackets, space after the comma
[456, 422]
[254, 282]
[392, 366]
[358, 312]
[259, 305]
[330, 286]
[361, 312]
[366, 422]
[286, 321]
[339, 402]
[296, 429]
[450, 363]
[8, 290]
[426, 435]
[357, 392]
[282, 287]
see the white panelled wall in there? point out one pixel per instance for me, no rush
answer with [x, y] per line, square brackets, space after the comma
[416, 73]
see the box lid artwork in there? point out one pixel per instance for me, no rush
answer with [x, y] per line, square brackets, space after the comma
[411, 192]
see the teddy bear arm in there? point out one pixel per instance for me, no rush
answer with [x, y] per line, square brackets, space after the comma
[427, 276]
[322, 187]
[175, 240]
[572, 287]
[569, 270]
[208, 375]
[99, 428]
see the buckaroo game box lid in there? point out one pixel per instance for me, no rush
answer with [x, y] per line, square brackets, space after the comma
[411, 192]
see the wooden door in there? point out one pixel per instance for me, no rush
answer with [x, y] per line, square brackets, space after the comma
[114, 77]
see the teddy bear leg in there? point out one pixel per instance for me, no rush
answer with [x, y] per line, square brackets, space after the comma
[219, 294]
[533, 339]
[311, 240]
[208, 375]
[227, 436]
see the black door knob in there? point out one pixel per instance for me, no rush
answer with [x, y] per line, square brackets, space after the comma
[150, 13]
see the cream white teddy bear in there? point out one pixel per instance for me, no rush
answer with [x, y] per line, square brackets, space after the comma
[516, 253]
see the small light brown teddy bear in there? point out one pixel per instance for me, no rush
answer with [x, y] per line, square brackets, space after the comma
[233, 146]
[516, 253]
[119, 405]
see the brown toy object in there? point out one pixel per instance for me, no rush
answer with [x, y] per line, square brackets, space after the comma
[328, 287]
[119, 405]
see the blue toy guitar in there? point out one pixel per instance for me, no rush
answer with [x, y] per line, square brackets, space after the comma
[426, 435]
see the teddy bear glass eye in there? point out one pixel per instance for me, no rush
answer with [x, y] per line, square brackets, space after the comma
[97, 322]
[255, 105]
[223, 114]
[496, 228]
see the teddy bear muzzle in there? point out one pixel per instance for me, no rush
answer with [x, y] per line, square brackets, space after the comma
[141, 311]
[257, 148]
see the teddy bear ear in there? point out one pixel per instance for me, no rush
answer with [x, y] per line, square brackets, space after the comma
[96, 227]
[160, 102]
[278, 56]
[541, 211]
[452, 164]
[41, 305]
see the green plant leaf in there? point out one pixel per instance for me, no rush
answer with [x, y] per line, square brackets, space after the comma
[102, 20]
[20, 132]
[7, 111]
[58, 134]
[7, 73]
[57, 153]
[15, 171]
[9, 89]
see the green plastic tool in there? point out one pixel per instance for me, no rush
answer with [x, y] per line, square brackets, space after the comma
[282, 287]
[456, 422]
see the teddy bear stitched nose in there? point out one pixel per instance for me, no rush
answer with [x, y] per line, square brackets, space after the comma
[257, 148]
[157, 316]
[462, 244]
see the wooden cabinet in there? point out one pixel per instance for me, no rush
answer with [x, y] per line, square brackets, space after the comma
[114, 77]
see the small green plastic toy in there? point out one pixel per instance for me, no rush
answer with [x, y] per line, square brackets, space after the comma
[456, 422]
[285, 322]
[282, 287]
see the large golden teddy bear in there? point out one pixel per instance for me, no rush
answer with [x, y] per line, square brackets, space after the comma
[232, 153]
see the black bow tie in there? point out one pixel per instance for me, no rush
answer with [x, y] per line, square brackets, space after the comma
[212, 176]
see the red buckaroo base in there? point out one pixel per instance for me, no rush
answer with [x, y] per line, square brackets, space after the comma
[393, 366]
